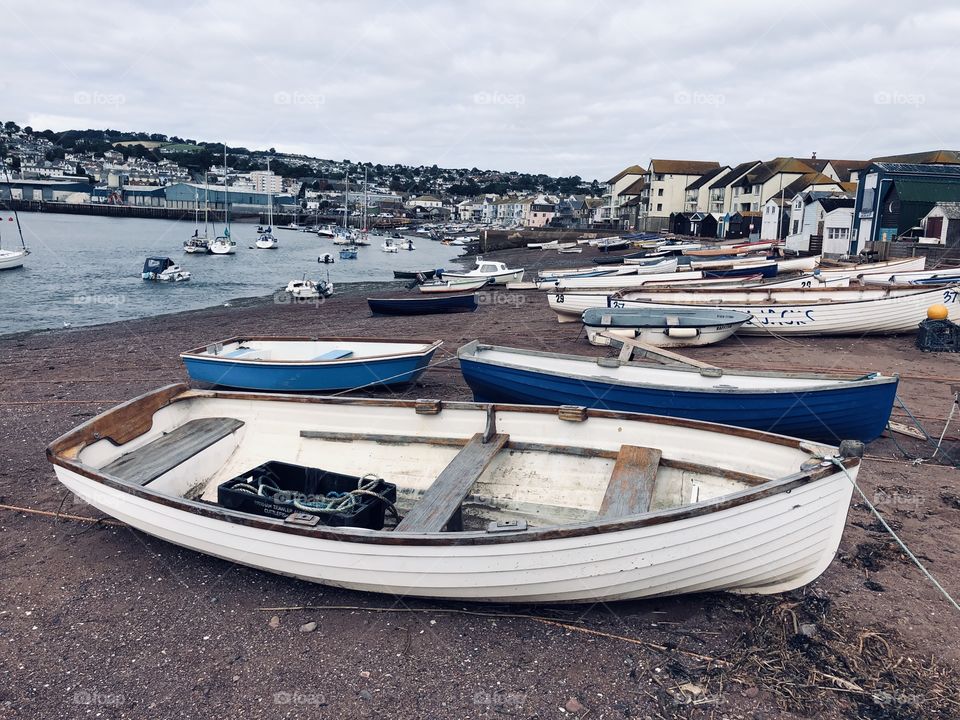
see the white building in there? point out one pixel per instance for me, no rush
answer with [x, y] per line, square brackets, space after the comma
[266, 181]
[666, 189]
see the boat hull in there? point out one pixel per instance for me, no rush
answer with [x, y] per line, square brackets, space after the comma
[423, 305]
[859, 412]
[664, 337]
[303, 377]
[10, 260]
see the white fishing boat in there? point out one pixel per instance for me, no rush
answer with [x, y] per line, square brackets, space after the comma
[496, 272]
[878, 268]
[797, 264]
[617, 282]
[496, 503]
[389, 246]
[830, 311]
[781, 305]
[163, 269]
[681, 327]
[304, 289]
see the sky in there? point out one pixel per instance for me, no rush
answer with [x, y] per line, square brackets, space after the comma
[564, 88]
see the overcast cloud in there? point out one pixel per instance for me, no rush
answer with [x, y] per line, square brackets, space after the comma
[580, 88]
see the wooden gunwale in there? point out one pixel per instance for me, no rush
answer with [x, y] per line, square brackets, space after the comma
[134, 418]
[200, 353]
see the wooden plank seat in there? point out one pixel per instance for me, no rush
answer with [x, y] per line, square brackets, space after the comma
[441, 501]
[159, 456]
[630, 490]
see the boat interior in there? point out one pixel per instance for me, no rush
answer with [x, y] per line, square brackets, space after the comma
[306, 350]
[456, 466]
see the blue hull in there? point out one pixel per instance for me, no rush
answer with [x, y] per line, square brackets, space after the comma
[854, 413]
[423, 306]
[307, 378]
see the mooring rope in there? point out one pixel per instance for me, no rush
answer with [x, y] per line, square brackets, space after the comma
[903, 546]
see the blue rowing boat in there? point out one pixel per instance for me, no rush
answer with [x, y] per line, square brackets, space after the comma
[768, 270]
[817, 407]
[423, 305]
[308, 364]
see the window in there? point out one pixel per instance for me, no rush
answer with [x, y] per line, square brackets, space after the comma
[659, 207]
[660, 192]
[838, 233]
[796, 226]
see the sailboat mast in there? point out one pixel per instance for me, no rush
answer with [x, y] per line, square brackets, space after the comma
[226, 197]
[269, 198]
[346, 197]
[206, 200]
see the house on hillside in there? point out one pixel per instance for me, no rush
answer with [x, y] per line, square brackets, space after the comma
[608, 213]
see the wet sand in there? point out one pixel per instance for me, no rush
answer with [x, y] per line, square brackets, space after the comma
[99, 620]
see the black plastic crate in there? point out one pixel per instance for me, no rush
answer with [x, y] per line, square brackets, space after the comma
[938, 336]
[285, 487]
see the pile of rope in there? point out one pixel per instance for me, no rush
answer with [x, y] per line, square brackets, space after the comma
[331, 502]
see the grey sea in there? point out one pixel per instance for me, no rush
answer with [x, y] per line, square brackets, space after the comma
[85, 270]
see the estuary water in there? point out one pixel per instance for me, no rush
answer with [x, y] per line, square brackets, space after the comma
[85, 270]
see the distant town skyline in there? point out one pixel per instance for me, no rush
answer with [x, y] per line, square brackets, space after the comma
[582, 89]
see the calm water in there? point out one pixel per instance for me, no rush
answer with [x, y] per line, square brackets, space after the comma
[86, 270]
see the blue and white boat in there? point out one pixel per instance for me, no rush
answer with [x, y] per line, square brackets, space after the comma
[308, 364]
[680, 327]
[811, 406]
[348, 253]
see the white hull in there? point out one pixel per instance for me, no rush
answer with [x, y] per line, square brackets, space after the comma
[10, 259]
[618, 282]
[724, 536]
[907, 277]
[495, 278]
[660, 337]
[880, 268]
[451, 286]
[900, 312]
[223, 248]
[267, 243]
[802, 264]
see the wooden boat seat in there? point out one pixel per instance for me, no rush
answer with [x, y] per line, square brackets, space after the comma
[158, 457]
[634, 476]
[441, 502]
[334, 355]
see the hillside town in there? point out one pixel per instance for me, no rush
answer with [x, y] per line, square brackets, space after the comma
[829, 206]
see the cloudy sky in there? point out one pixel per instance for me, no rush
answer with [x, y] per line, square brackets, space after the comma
[569, 88]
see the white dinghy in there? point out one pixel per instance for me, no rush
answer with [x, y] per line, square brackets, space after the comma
[502, 503]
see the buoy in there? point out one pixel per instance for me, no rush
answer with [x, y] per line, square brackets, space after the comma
[937, 312]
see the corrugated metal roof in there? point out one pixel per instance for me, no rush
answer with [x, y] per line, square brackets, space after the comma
[926, 191]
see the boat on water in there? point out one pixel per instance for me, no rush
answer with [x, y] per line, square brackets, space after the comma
[196, 245]
[326, 231]
[267, 241]
[389, 246]
[308, 364]
[349, 253]
[453, 286]
[631, 506]
[496, 272]
[681, 327]
[223, 245]
[199, 244]
[423, 304]
[414, 274]
[163, 269]
[12, 259]
[823, 407]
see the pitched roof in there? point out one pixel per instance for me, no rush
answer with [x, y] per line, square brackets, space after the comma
[682, 167]
[931, 157]
[735, 174]
[635, 188]
[769, 169]
[950, 209]
[845, 167]
[632, 170]
[805, 181]
[829, 204]
[706, 177]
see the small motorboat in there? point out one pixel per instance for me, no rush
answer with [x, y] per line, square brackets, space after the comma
[304, 289]
[326, 259]
[308, 364]
[823, 406]
[389, 246]
[453, 286]
[223, 245]
[261, 230]
[496, 272]
[424, 305]
[326, 231]
[348, 253]
[163, 269]
[267, 241]
[414, 275]
[682, 327]
[408, 244]
[496, 503]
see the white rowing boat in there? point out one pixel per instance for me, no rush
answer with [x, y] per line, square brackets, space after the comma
[504, 504]
[837, 311]
[616, 282]
[878, 268]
